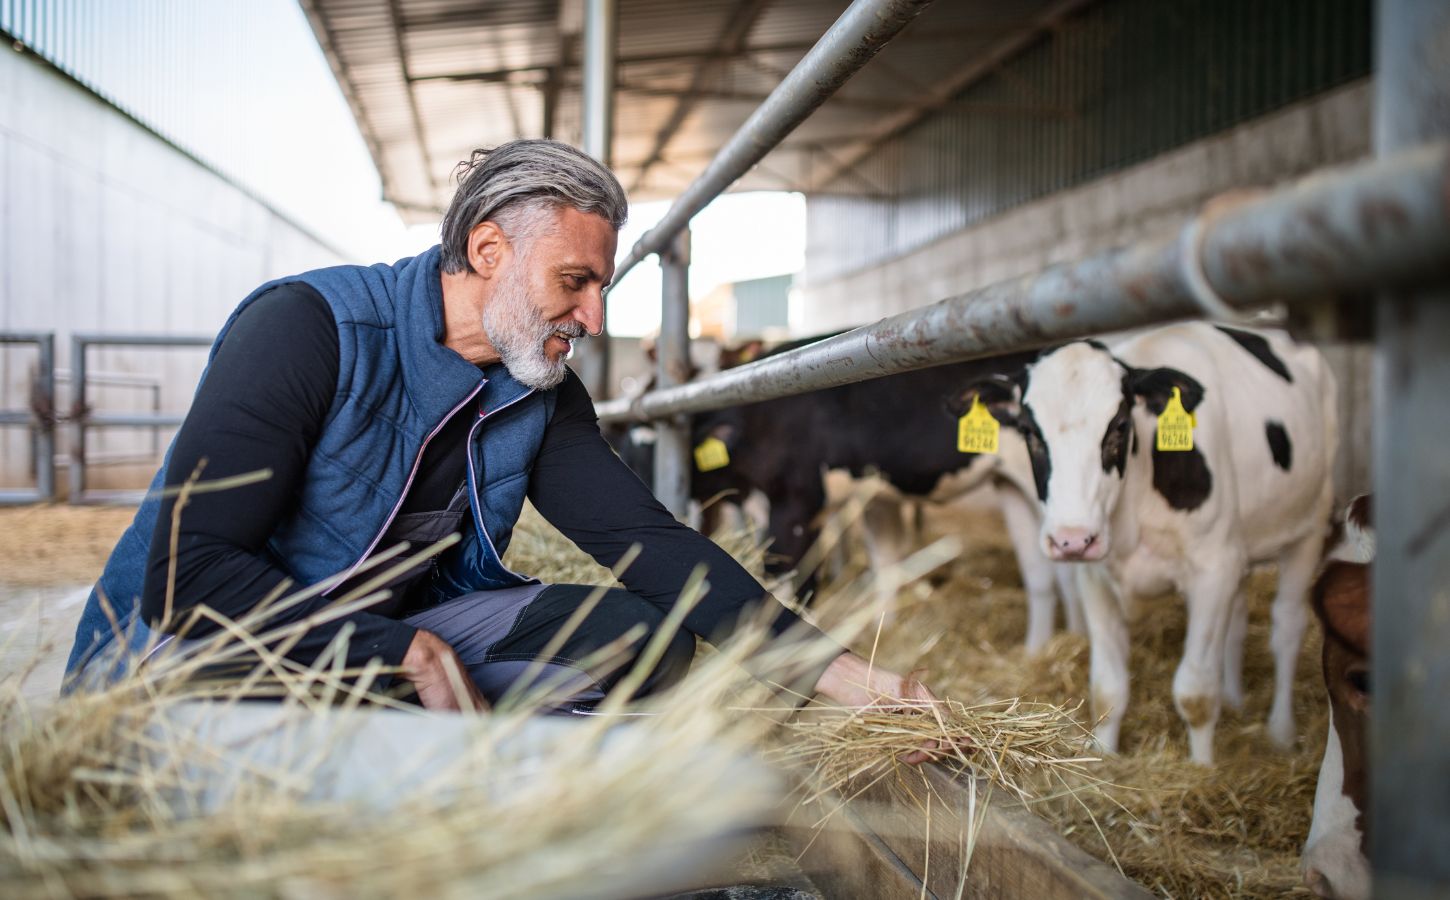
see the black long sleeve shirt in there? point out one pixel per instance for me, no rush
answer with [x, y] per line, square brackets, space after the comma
[263, 405]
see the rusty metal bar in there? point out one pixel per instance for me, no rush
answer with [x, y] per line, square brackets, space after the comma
[40, 417]
[861, 31]
[1409, 765]
[1377, 225]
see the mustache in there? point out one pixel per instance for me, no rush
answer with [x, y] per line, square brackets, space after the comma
[571, 330]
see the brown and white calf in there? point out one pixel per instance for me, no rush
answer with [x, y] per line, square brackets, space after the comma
[1136, 521]
[1335, 863]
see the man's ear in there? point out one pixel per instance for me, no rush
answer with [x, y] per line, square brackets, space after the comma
[487, 248]
[1001, 394]
[1156, 386]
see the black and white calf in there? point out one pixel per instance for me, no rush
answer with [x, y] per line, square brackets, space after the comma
[1138, 521]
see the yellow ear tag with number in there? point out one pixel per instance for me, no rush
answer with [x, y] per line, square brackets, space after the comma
[1175, 426]
[711, 454]
[977, 431]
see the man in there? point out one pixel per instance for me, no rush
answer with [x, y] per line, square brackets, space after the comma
[407, 402]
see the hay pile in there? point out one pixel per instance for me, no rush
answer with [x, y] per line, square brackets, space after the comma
[104, 794]
[52, 543]
[1235, 830]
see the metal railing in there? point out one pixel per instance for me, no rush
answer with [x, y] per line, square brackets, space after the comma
[1382, 226]
[83, 419]
[847, 46]
[40, 418]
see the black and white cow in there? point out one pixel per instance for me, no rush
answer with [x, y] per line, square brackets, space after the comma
[903, 427]
[1138, 521]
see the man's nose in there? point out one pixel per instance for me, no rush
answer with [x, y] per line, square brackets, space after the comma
[590, 312]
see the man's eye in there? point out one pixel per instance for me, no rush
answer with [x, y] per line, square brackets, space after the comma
[575, 282]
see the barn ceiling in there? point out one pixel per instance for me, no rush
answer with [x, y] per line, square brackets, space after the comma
[429, 80]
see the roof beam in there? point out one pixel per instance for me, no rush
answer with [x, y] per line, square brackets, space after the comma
[943, 95]
[327, 38]
[419, 135]
[732, 40]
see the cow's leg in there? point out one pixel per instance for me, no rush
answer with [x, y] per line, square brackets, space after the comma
[1071, 597]
[1023, 525]
[1297, 566]
[1108, 632]
[1233, 652]
[1198, 683]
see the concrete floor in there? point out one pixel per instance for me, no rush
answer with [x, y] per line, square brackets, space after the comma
[36, 628]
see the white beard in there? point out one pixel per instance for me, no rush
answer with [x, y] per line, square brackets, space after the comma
[519, 332]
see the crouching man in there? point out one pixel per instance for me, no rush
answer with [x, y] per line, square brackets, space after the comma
[407, 402]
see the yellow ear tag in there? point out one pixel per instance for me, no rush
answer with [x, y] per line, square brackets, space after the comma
[1175, 426]
[711, 455]
[977, 431]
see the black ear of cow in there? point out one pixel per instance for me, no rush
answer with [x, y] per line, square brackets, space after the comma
[1156, 386]
[1001, 394]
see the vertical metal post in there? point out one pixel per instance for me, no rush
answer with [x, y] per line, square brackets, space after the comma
[45, 428]
[672, 446]
[601, 39]
[78, 414]
[1409, 818]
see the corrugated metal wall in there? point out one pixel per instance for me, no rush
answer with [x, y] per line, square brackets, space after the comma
[148, 58]
[1124, 81]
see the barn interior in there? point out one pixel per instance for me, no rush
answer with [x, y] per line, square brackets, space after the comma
[983, 145]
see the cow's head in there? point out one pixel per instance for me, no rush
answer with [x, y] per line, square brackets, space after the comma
[1335, 863]
[730, 482]
[1074, 408]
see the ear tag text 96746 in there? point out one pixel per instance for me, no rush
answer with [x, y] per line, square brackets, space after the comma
[977, 431]
[1175, 426]
[710, 454]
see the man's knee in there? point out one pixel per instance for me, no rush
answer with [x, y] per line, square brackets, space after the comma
[628, 611]
[673, 665]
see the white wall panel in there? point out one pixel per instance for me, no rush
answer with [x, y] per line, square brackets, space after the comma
[106, 227]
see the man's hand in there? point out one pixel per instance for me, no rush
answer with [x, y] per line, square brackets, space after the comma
[852, 681]
[437, 675]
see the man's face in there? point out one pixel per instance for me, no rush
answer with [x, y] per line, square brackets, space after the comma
[550, 293]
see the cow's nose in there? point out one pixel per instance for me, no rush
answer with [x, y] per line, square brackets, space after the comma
[1071, 543]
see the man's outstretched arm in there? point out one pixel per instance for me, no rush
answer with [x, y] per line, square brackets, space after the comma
[585, 491]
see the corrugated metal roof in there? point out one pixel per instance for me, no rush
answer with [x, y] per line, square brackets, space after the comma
[429, 80]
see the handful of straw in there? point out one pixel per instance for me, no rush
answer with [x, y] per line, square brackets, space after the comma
[1010, 743]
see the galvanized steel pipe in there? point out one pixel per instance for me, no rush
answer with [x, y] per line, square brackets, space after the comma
[672, 441]
[1372, 226]
[850, 43]
[1409, 722]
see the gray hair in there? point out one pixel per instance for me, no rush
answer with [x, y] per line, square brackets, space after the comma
[514, 183]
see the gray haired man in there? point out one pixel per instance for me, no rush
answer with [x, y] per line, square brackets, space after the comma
[408, 402]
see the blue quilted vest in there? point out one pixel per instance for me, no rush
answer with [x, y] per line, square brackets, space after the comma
[396, 386]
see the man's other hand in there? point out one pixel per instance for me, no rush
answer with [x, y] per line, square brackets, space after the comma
[438, 676]
[853, 682]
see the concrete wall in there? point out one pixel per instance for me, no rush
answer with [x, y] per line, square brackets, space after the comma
[1119, 209]
[105, 227]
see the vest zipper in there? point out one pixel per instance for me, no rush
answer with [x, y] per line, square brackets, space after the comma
[473, 486]
[408, 484]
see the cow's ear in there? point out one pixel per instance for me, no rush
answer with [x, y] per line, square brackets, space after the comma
[1341, 598]
[1001, 394]
[1156, 386]
[727, 431]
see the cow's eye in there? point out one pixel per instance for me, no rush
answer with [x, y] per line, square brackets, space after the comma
[1359, 680]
